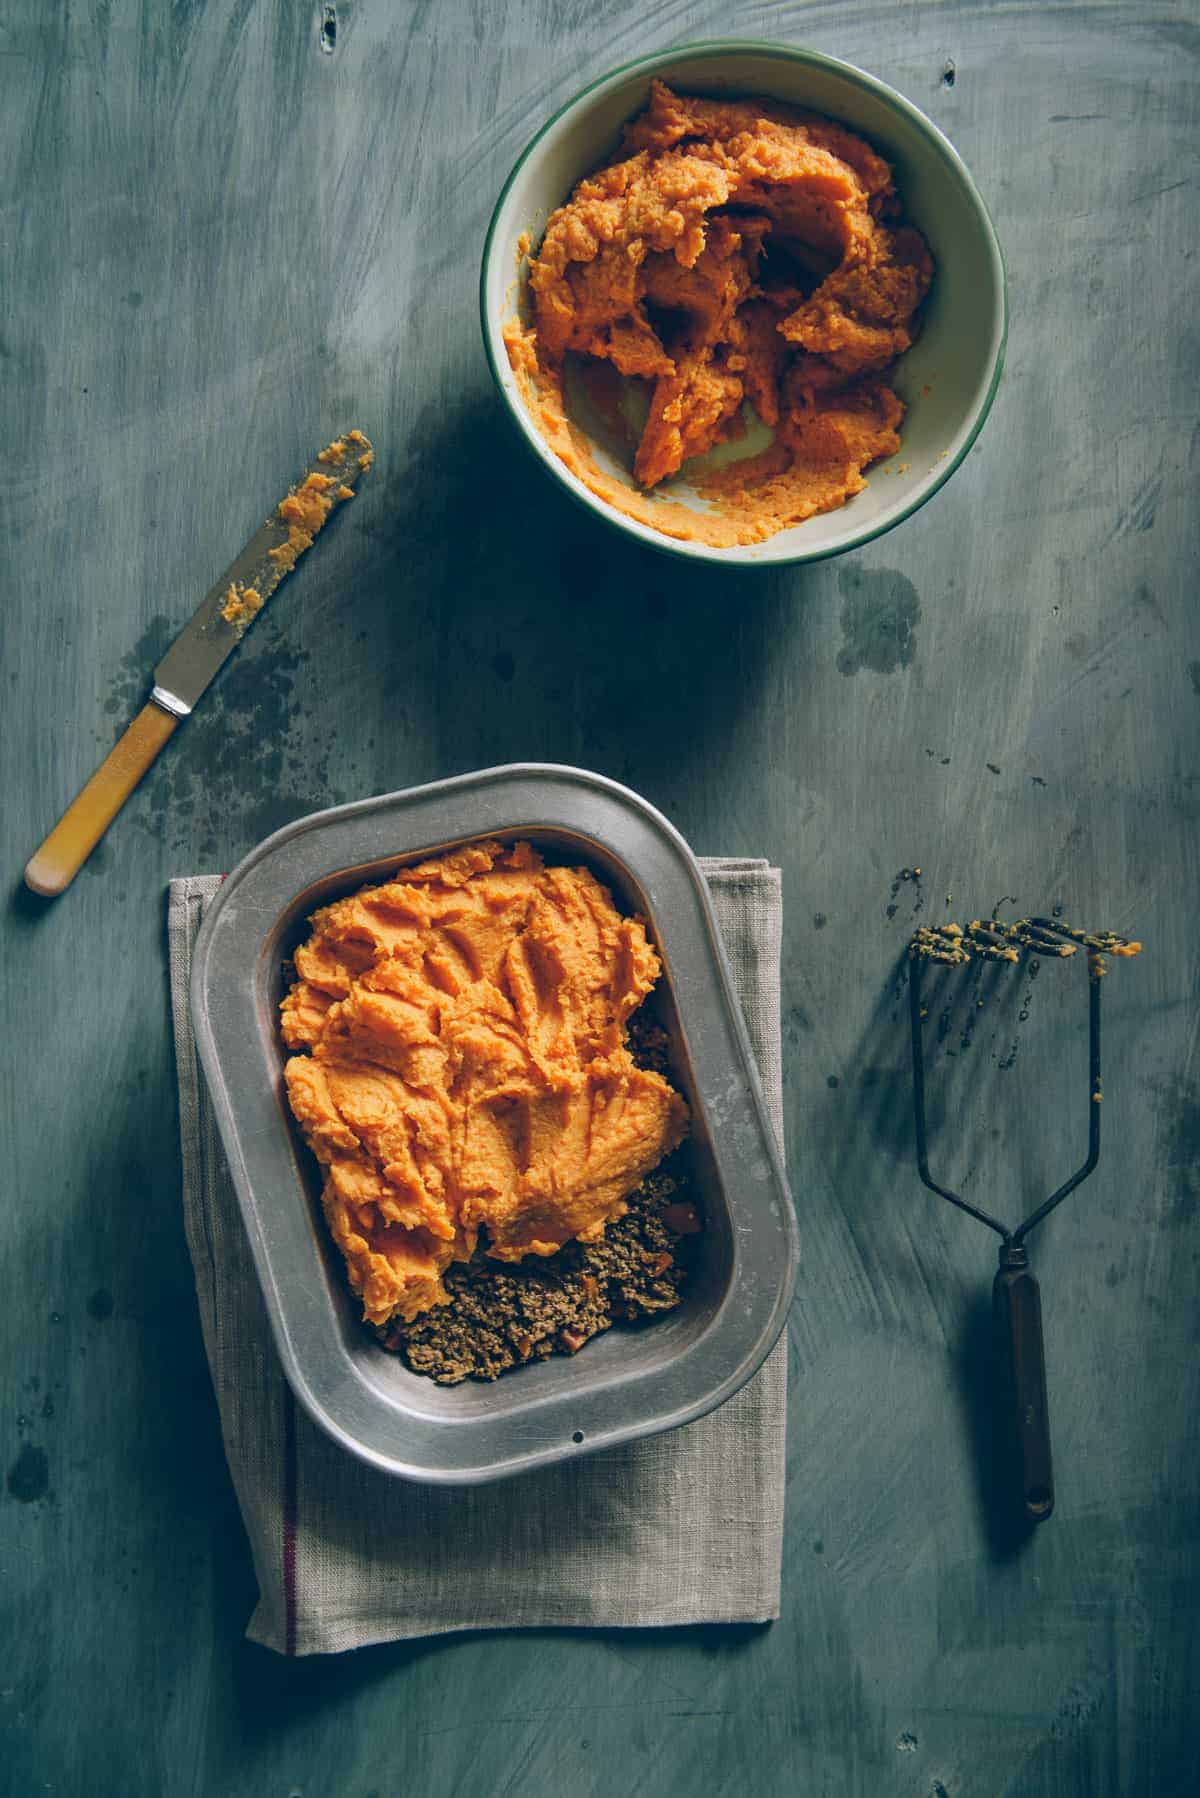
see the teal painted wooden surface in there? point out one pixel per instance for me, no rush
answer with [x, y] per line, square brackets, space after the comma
[220, 243]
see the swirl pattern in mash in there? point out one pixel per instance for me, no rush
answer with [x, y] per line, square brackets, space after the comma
[733, 251]
[462, 1065]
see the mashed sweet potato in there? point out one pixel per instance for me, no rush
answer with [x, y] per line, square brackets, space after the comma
[735, 251]
[462, 1066]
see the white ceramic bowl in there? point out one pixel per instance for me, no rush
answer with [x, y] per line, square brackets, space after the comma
[947, 380]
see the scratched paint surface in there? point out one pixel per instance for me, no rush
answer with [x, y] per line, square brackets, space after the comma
[231, 228]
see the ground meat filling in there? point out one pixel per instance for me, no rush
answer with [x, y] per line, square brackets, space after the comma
[496, 1320]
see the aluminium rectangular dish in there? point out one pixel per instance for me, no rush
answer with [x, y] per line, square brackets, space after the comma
[626, 1383]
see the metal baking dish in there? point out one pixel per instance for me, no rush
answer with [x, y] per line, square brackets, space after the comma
[626, 1383]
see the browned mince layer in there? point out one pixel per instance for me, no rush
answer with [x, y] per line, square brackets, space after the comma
[501, 1315]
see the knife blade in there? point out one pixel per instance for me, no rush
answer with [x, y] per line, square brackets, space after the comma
[204, 644]
[231, 605]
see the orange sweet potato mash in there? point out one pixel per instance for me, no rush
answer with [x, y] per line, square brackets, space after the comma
[461, 1066]
[733, 252]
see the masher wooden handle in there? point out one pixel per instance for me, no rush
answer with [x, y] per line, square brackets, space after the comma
[54, 866]
[1017, 1310]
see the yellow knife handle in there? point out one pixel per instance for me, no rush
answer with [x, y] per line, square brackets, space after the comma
[54, 866]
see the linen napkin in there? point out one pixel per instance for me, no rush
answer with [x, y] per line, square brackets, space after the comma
[682, 1528]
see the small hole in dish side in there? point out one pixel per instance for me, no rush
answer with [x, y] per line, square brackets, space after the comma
[578, 1436]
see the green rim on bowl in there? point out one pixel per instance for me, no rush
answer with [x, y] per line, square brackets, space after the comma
[757, 555]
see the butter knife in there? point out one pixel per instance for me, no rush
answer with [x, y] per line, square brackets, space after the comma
[217, 626]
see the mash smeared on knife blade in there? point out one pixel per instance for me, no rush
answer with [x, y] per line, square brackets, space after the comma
[304, 510]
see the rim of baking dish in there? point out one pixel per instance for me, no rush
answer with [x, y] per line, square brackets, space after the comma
[735, 556]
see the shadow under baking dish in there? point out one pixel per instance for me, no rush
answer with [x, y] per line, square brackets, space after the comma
[626, 1383]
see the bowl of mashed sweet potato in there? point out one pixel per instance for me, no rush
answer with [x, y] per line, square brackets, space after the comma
[745, 302]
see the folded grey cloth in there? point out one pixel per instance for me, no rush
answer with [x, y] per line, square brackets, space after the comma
[683, 1528]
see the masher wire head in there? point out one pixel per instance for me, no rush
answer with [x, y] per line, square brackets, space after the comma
[1007, 941]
